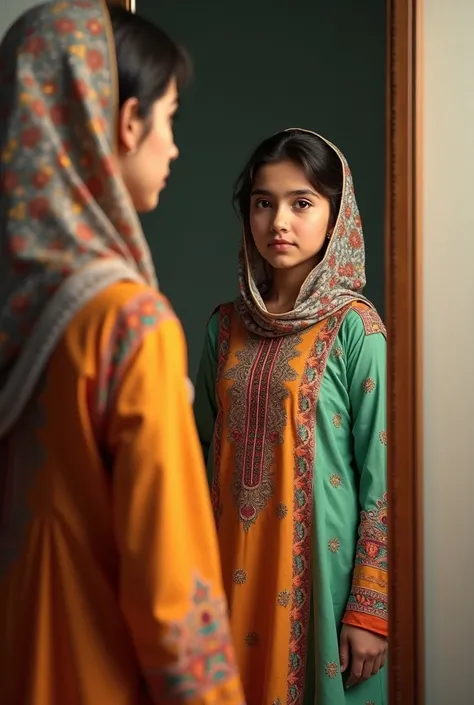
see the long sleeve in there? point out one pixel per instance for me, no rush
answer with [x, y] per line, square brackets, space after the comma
[169, 577]
[366, 372]
[205, 405]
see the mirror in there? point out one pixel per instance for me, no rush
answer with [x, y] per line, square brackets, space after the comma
[347, 71]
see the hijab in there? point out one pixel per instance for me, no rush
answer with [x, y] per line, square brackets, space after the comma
[334, 283]
[68, 228]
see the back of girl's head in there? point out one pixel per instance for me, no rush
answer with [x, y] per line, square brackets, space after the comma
[320, 163]
[147, 59]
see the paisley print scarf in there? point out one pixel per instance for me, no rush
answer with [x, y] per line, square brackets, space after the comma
[335, 282]
[68, 228]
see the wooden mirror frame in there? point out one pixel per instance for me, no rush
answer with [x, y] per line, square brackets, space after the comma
[403, 306]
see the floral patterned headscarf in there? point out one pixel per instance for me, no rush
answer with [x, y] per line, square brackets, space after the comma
[68, 228]
[334, 283]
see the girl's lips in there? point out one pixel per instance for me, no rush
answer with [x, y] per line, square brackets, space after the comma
[280, 245]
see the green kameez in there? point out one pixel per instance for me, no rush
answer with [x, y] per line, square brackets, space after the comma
[349, 500]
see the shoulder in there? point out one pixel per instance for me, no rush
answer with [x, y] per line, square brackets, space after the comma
[130, 303]
[362, 332]
[120, 316]
[218, 326]
[371, 320]
[137, 315]
[220, 317]
[221, 312]
[363, 320]
[124, 306]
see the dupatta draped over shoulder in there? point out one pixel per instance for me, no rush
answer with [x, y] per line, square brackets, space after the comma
[68, 228]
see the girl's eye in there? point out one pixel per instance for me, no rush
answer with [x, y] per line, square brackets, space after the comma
[302, 204]
[262, 203]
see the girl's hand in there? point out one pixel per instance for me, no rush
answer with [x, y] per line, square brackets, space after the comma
[365, 651]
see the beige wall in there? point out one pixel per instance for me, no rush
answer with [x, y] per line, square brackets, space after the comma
[448, 283]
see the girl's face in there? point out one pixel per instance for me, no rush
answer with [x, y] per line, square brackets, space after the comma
[288, 218]
[146, 148]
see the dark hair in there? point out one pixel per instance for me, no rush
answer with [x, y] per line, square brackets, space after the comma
[320, 163]
[147, 59]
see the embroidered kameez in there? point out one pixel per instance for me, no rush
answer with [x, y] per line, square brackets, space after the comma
[348, 575]
[97, 604]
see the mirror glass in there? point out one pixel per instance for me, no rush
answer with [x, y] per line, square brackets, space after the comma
[292, 426]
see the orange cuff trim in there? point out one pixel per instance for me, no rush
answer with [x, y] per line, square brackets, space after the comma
[363, 621]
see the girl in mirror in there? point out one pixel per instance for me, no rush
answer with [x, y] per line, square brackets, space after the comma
[290, 407]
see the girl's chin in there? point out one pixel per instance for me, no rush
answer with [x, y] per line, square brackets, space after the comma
[284, 261]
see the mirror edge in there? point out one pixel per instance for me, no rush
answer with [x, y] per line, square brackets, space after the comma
[404, 326]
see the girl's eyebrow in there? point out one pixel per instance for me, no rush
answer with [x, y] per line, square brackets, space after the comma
[295, 192]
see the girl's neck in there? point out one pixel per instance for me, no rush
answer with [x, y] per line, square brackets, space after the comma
[286, 285]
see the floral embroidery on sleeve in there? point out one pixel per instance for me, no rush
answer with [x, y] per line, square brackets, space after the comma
[370, 319]
[202, 647]
[370, 584]
[368, 385]
[141, 315]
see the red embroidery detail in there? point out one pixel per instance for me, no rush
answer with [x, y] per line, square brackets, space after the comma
[225, 318]
[303, 502]
[372, 552]
[371, 320]
[141, 315]
[257, 418]
[202, 650]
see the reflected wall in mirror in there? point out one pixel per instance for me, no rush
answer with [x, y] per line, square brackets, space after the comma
[347, 71]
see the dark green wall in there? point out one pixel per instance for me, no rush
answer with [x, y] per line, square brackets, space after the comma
[260, 67]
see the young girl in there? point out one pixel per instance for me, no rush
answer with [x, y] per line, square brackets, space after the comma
[290, 408]
[110, 582]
